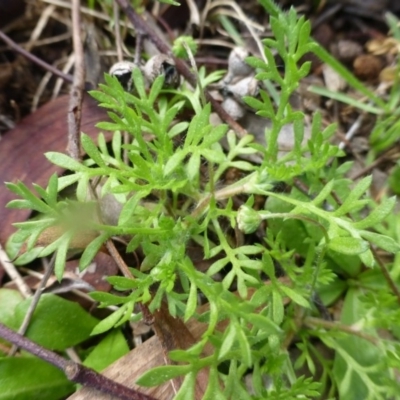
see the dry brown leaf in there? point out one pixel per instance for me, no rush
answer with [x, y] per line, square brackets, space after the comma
[150, 354]
[22, 151]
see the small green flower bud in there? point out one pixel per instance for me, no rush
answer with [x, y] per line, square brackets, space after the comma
[178, 48]
[248, 219]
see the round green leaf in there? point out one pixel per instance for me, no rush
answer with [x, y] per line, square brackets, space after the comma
[110, 349]
[9, 299]
[23, 378]
[56, 323]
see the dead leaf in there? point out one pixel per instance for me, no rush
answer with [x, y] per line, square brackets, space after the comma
[22, 157]
[150, 354]
[22, 151]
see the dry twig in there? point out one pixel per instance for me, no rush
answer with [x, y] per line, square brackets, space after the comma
[35, 300]
[33, 58]
[13, 274]
[78, 86]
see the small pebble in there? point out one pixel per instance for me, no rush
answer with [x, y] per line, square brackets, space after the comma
[348, 50]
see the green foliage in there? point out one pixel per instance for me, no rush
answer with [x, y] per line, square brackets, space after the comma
[369, 380]
[53, 314]
[180, 45]
[272, 264]
[56, 324]
[172, 2]
[291, 41]
[110, 349]
[24, 378]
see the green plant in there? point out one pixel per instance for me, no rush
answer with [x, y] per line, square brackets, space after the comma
[272, 281]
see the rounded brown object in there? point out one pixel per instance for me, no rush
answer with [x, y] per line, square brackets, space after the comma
[388, 74]
[367, 67]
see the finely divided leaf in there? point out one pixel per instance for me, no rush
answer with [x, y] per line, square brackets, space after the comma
[174, 161]
[107, 323]
[348, 245]
[352, 199]
[91, 250]
[64, 161]
[384, 242]
[92, 150]
[34, 202]
[191, 302]
[229, 339]
[295, 296]
[196, 127]
[61, 255]
[377, 215]
[277, 307]
[159, 375]
[324, 193]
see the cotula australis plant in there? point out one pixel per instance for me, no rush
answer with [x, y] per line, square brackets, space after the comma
[277, 259]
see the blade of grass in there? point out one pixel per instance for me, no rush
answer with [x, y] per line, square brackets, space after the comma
[344, 98]
[348, 76]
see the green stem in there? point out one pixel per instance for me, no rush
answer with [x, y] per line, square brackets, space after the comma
[312, 322]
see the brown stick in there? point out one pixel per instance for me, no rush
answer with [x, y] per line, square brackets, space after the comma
[15, 46]
[386, 274]
[78, 86]
[35, 301]
[335, 325]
